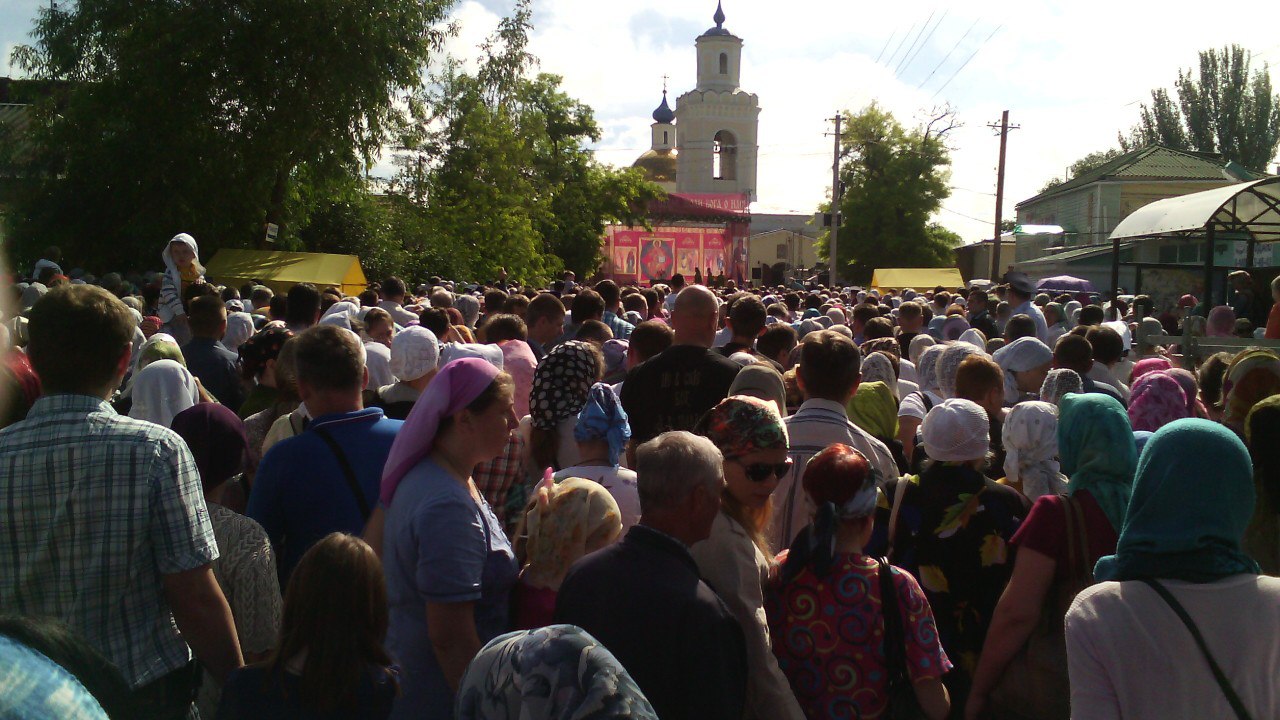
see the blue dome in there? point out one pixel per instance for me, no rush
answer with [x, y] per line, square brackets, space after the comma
[664, 113]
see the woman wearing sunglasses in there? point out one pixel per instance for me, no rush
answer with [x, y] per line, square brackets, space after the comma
[734, 560]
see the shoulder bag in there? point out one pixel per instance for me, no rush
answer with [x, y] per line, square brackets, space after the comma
[902, 701]
[347, 472]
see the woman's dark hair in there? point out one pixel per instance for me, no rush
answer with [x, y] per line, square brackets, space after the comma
[335, 610]
[72, 653]
[1263, 433]
[1211, 375]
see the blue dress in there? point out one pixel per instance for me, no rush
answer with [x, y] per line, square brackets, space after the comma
[440, 546]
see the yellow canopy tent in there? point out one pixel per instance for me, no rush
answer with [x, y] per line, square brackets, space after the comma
[916, 278]
[282, 270]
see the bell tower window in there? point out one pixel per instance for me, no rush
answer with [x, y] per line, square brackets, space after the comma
[724, 156]
[724, 63]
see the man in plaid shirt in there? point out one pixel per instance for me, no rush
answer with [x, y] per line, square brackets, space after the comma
[105, 526]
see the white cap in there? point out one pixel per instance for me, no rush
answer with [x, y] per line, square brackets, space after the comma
[415, 351]
[956, 431]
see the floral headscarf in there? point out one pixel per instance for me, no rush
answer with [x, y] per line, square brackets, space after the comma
[1252, 376]
[918, 345]
[602, 418]
[874, 409]
[949, 366]
[562, 518]
[741, 425]
[1156, 400]
[1031, 449]
[877, 368]
[1058, 383]
[561, 383]
[927, 368]
[261, 348]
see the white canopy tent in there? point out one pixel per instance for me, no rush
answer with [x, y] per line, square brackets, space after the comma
[1251, 210]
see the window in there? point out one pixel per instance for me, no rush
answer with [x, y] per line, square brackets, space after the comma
[724, 156]
[724, 63]
[782, 251]
[665, 141]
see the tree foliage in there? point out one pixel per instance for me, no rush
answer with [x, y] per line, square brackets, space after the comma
[1092, 161]
[500, 167]
[1225, 107]
[894, 180]
[209, 116]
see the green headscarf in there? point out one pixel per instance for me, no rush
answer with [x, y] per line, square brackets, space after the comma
[1174, 527]
[873, 409]
[1096, 450]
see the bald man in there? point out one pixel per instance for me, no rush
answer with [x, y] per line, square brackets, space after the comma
[673, 389]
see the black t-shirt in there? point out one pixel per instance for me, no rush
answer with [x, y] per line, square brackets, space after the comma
[674, 389]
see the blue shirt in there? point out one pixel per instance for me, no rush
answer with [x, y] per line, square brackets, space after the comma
[300, 494]
[218, 369]
[1033, 311]
[440, 546]
[621, 328]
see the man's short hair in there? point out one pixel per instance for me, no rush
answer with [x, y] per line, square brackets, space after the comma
[587, 305]
[545, 305]
[671, 466]
[330, 358]
[1073, 352]
[748, 316]
[494, 300]
[441, 298]
[1107, 344]
[829, 365]
[1091, 315]
[393, 287]
[1019, 326]
[976, 377]
[650, 338]
[910, 309]
[877, 328]
[303, 305]
[594, 331]
[261, 296]
[516, 305]
[609, 292]
[504, 327]
[76, 335]
[777, 339]
[206, 315]
[434, 319]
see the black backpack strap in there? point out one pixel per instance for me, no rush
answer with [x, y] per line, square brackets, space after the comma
[1236, 704]
[347, 472]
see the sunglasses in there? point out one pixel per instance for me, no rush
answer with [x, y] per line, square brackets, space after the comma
[759, 472]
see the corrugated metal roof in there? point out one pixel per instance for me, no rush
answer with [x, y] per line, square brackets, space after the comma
[15, 125]
[1154, 162]
[1077, 254]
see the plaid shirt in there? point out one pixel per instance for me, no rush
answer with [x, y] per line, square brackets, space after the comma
[496, 478]
[94, 508]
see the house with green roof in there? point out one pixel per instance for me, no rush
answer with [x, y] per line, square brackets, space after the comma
[1088, 208]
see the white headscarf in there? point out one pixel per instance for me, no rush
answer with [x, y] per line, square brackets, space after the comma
[973, 336]
[918, 345]
[239, 329]
[161, 390]
[175, 275]
[454, 351]
[949, 365]
[878, 368]
[415, 351]
[956, 431]
[1031, 449]
[927, 367]
[1025, 353]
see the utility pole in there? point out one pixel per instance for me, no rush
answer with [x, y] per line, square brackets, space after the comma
[1004, 127]
[833, 246]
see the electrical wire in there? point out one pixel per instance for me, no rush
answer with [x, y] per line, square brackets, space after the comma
[966, 62]
[899, 46]
[927, 38]
[886, 46]
[948, 55]
[927, 20]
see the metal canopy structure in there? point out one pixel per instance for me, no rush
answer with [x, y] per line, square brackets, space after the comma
[1250, 211]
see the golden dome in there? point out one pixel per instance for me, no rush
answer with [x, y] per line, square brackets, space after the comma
[658, 165]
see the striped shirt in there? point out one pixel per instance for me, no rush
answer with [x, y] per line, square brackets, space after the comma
[815, 426]
[96, 507]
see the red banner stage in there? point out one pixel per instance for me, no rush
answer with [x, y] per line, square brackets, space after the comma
[644, 256]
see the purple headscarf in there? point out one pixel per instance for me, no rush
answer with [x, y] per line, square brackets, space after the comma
[456, 386]
[1221, 322]
[1149, 365]
[1191, 388]
[1157, 400]
[216, 438]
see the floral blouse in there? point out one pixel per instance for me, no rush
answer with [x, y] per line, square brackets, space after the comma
[828, 636]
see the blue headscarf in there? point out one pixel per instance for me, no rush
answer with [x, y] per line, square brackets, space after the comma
[602, 418]
[1177, 528]
[935, 326]
[1096, 451]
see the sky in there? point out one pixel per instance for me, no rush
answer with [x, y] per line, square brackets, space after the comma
[1070, 74]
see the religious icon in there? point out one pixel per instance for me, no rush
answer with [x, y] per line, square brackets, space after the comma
[657, 259]
[688, 261]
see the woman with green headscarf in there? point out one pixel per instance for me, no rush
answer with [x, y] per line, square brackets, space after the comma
[1180, 600]
[1096, 452]
[874, 409]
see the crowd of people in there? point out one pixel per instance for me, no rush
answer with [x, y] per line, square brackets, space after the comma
[590, 501]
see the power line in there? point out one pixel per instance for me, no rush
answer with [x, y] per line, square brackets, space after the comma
[967, 217]
[886, 46]
[913, 42]
[948, 55]
[899, 46]
[927, 38]
[966, 62]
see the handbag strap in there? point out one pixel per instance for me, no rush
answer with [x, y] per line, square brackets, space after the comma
[899, 491]
[894, 636]
[1078, 566]
[1236, 704]
[347, 472]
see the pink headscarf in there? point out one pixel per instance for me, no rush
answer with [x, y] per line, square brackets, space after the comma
[519, 362]
[1221, 322]
[1157, 400]
[1149, 365]
[456, 386]
[1191, 388]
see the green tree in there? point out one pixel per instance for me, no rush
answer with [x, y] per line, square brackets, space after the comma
[211, 117]
[1092, 161]
[894, 180]
[1225, 107]
[501, 168]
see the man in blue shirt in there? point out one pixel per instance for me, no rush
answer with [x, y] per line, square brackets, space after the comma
[612, 296]
[207, 358]
[1019, 294]
[326, 479]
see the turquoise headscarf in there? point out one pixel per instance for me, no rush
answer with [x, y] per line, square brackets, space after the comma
[602, 418]
[1096, 451]
[1175, 528]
